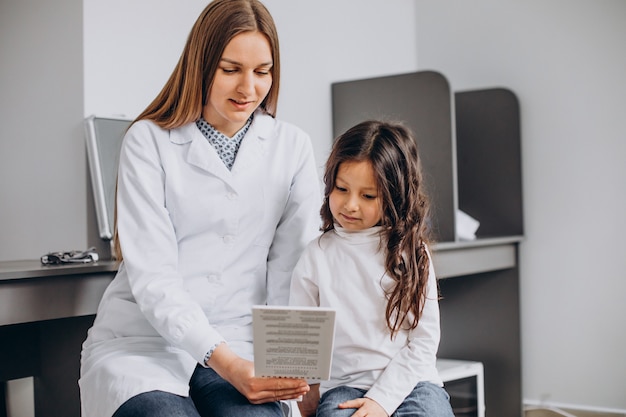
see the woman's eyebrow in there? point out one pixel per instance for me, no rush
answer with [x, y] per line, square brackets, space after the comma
[232, 61]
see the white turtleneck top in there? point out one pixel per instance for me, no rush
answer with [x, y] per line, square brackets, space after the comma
[346, 270]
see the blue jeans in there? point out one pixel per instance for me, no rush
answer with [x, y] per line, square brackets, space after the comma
[426, 400]
[157, 404]
[209, 396]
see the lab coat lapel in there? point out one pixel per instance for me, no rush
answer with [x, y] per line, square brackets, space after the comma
[253, 145]
[201, 154]
[204, 156]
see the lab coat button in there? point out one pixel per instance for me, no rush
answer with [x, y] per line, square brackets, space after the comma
[228, 239]
[232, 196]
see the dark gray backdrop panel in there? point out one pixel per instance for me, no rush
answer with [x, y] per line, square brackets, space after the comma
[489, 161]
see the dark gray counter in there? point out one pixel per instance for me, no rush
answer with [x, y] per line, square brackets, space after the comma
[30, 291]
[45, 312]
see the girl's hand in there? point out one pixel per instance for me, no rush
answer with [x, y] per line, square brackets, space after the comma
[365, 407]
[240, 373]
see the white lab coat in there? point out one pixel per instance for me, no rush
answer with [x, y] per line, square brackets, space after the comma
[201, 245]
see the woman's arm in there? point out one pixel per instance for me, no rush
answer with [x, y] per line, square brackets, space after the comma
[150, 247]
[299, 223]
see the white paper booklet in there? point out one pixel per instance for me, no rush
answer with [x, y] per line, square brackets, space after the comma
[293, 342]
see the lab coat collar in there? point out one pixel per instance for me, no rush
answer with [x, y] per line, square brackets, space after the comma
[202, 155]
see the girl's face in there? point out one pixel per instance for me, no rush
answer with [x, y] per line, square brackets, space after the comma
[242, 80]
[354, 200]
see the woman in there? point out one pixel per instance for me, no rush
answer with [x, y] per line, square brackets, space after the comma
[216, 200]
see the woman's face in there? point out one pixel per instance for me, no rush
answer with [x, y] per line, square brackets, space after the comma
[242, 80]
[354, 200]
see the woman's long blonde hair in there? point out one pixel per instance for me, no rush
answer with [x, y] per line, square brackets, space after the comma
[186, 91]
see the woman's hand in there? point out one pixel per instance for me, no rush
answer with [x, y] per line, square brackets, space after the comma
[365, 407]
[240, 373]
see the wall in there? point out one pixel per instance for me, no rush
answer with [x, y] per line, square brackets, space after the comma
[42, 156]
[567, 63]
[563, 59]
[126, 63]
[130, 48]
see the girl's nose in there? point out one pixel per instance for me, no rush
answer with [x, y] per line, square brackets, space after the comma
[352, 203]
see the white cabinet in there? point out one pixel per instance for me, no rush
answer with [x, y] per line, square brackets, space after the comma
[457, 375]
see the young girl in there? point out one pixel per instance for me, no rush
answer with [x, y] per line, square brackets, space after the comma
[372, 264]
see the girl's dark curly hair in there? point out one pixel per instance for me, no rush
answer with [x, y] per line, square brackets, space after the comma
[392, 150]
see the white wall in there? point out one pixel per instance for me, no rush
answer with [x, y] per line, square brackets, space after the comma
[563, 58]
[128, 60]
[42, 162]
[566, 61]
